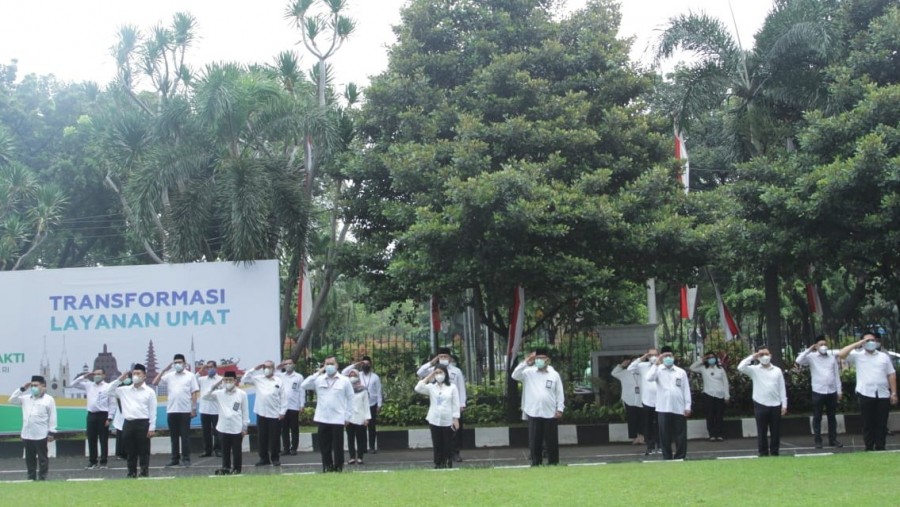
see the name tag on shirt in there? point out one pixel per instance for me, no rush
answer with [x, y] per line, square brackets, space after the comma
[678, 382]
[295, 386]
[549, 384]
[712, 374]
[236, 407]
[440, 400]
[637, 389]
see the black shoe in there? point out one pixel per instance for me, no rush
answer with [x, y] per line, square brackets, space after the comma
[373, 450]
[185, 463]
[145, 473]
[293, 452]
[236, 471]
[131, 476]
[457, 458]
[262, 463]
[818, 445]
[276, 463]
[173, 463]
[218, 453]
[206, 455]
[835, 443]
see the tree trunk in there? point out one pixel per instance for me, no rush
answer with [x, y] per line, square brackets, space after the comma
[773, 313]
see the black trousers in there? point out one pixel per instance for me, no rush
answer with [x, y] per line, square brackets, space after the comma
[442, 443]
[180, 435]
[373, 427]
[715, 415]
[672, 430]
[651, 428]
[634, 416]
[231, 451]
[874, 413]
[828, 402]
[120, 447]
[540, 431]
[36, 459]
[269, 430]
[210, 435]
[290, 430]
[331, 445]
[137, 446]
[97, 430]
[768, 421]
[356, 440]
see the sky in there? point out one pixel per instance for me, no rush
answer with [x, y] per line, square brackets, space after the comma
[71, 39]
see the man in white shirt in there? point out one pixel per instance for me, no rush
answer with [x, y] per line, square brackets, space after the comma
[182, 391]
[716, 393]
[234, 418]
[269, 407]
[876, 387]
[673, 403]
[138, 404]
[99, 415]
[296, 400]
[334, 409]
[631, 399]
[826, 388]
[769, 399]
[207, 377]
[38, 424]
[642, 366]
[372, 382]
[544, 405]
[445, 357]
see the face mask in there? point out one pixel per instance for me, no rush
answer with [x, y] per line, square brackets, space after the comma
[445, 362]
[137, 379]
[126, 382]
[289, 368]
[211, 372]
[179, 367]
[229, 386]
[651, 358]
[711, 361]
[540, 363]
[871, 346]
[98, 378]
[35, 391]
[367, 368]
[668, 361]
[440, 378]
[267, 372]
[823, 350]
[765, 360]
[330, 369]
[354, 380]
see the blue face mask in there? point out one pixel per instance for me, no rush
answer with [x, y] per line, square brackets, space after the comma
[871, 346]
[211, 372]
[35, 391]
[126, 382]
[540, 363]
[711, 361]
[330, 369]
[668, 361]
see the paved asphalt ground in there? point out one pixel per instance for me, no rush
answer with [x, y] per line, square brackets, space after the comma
[72, 469]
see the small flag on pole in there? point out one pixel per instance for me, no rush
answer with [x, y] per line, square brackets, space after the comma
[516, 323]
[304, 298]
[812, 297]
[688, 301]
[435, 320]
[682, 154]
[729, 327]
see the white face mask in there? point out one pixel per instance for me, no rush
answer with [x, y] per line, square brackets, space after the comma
[179, 367]
[765, 360]
[652, 359]
[268, 372]
[440, 378]
[137, 379]
[229, 386]
[823, 349]
[445, 362]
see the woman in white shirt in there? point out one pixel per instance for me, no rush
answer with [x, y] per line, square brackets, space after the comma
[359, 419]
[443, 413]
[716, 393]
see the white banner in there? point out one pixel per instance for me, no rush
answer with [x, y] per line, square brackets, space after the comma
[61, 322]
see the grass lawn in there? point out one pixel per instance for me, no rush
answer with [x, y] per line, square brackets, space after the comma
[850, 479]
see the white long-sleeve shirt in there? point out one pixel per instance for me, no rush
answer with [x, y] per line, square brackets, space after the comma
[359, 407]
[768, 383]
[715, 379]
[233, 409]
[824, 371]
[631, 385]
[334, 397]
[137, 402]
[673, 389]
[98, 399]
[271, 398]
[372, 382]
[456, 378]
[296, 395]
[205, 405]
[38, 414]
[872, 371]
[444, 402]
[543, 391]
[648, 389]
[180, 387]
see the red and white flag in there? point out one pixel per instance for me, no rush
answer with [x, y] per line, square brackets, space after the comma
[688, 301]
[812, 298]
[682, 154]
[516, 323]
[304, 298]
[435, 319]
[729, 327]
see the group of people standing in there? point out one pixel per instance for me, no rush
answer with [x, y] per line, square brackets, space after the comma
[655, 391]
